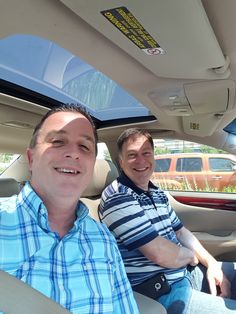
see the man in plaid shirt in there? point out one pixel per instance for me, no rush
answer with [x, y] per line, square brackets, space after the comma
[47, 238]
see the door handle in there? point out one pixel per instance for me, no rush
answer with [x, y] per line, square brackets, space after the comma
[216, 177]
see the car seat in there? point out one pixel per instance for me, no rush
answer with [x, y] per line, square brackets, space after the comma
[8, 187]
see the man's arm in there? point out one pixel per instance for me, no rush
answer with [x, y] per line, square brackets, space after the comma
[187, 239]
[215, 275]
[167, 254]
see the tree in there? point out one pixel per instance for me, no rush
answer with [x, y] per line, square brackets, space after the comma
[5, 158]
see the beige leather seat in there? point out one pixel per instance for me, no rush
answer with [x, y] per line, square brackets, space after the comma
[16, 297]
[104, 173]
[8, 187]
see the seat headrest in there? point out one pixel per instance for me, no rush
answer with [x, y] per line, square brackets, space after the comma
[104, 173]
[8, 187]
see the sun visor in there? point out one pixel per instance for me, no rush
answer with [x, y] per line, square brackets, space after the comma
[170, 38]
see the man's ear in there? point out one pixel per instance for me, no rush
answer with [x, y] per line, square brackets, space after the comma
[120, 162]
[29, 153]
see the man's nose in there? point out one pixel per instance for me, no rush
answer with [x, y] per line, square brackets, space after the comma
[140, 158]
[72, 151]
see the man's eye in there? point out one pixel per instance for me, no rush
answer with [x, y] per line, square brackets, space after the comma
[85, 147]
[57, 142]
[131, 155]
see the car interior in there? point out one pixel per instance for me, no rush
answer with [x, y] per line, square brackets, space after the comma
[166, 66]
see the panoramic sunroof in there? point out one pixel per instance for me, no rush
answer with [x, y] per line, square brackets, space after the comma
[46, 68]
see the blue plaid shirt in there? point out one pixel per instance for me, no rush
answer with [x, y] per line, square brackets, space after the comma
[83, 271]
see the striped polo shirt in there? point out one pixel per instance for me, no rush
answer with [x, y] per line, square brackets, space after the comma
[83, 271]
[136, 217]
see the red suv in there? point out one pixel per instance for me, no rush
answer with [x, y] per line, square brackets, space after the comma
[195, 171]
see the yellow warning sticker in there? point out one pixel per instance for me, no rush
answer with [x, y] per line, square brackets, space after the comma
[125, 21]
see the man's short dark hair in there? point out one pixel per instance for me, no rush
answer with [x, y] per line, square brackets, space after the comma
[133, 132]
[76, 108]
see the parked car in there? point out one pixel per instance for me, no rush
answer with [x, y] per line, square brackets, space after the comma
[196, 171]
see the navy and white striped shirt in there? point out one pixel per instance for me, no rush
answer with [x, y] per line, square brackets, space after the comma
[83, 271]
[136, 217]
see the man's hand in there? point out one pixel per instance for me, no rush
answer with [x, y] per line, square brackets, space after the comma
[216, 279]
[193, 260]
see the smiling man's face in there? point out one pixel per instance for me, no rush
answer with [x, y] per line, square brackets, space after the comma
[137, 160]
[63, 159]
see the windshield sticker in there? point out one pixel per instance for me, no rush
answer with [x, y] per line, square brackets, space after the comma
[124, 20]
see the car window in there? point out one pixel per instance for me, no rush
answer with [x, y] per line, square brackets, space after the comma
[162, 165]
[221, 164]
[103, 152]
[6, 160]
[189, 164]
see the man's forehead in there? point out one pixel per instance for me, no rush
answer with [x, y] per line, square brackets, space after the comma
[136, 143]
[67, 123]
[135, 139]
[64, 117]
[54, 133]
[65, 120]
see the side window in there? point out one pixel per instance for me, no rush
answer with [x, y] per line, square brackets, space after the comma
[221, 164]
[6, 160]
[162, 165]
[103, 152]
[189, 164]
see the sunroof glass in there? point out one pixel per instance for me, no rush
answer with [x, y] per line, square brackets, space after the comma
[44, 67]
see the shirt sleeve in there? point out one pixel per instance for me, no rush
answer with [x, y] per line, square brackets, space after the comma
[176, 222]
[124, 216]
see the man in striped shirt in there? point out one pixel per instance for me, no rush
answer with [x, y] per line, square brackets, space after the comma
[153, 240]
[47, 238]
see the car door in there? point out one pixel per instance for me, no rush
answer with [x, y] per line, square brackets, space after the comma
[209, 214]
[221, 173]
[211, 217]
[189, 172]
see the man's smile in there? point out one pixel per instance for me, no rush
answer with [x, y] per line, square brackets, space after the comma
[140, 169]
[67, 170]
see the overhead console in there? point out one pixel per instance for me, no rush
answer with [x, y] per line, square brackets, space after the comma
[201, 105]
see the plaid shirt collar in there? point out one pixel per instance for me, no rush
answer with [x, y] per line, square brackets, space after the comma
[33, 204]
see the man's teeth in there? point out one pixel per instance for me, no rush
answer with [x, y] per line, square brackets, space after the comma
[140, 169]
[67, 170]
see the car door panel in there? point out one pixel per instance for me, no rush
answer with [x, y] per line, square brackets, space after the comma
[214, 227]
[208, 201]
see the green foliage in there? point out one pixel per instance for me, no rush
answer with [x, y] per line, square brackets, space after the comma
[185, 149]
[211, 150]
[5, 158]
[187, 187]
[229, 189]
[161, 151]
